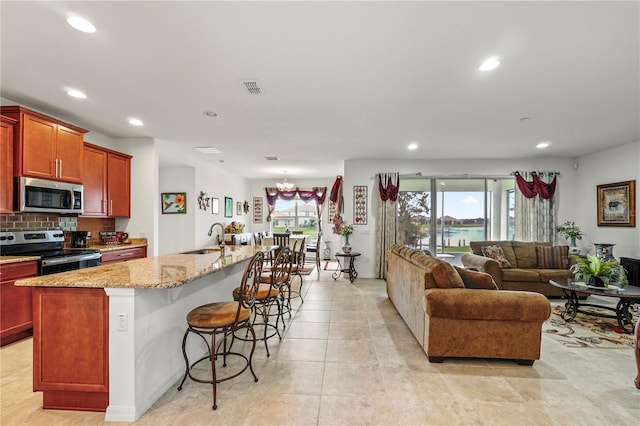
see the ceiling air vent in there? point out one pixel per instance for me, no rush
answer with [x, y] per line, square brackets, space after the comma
[253, 86]
[272, 158]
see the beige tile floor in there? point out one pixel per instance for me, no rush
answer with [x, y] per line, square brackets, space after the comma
[348, 358]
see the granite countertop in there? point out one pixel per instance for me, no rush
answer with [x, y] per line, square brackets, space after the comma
[166, 271]
[17, 259]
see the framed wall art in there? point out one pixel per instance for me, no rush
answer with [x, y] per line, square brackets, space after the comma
[239, 208]
[359, 205]
[174, 202]
[215, 206]
[228, 207]
[617, 204]
[257, 209]
[332, 211]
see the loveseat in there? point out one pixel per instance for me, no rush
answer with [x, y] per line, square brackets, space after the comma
[454, 312]
[525, 265]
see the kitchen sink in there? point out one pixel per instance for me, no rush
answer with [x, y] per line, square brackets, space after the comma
[202, 251]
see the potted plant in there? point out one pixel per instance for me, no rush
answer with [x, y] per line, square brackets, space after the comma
[346, 231]
[599, 273]
[570, 231]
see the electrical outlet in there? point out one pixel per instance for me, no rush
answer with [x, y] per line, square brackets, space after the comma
[123, 322]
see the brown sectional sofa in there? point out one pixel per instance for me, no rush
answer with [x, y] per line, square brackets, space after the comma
[451, 320]
[523, 273]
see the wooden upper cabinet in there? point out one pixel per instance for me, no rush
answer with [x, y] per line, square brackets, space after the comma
[119, 185]
[107, 182]
[6, 173]
[45, 147]
[95, 182]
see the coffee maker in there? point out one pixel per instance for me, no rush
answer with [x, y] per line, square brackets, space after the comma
[80, 239]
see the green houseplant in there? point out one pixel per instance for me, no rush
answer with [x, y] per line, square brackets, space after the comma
[598, 273]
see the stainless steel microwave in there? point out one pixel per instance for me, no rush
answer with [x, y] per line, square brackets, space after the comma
[48, 196]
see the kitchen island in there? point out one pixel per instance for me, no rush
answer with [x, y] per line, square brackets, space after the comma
[109, 338]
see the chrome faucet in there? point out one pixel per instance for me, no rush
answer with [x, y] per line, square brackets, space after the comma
[221, 238]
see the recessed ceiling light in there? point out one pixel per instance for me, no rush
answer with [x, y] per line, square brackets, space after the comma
[211, 114]
[76, 94]
[135, 122]
[544, 144]
[412, 146]
[81, 24]
[208, 149]
[490, 64]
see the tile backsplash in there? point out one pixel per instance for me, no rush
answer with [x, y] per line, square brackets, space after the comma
[43, 221]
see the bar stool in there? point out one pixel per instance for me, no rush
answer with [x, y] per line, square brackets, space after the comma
[221, 320]
[298, 258]
[269, 295]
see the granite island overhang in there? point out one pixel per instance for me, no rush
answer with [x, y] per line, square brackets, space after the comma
[109, 338]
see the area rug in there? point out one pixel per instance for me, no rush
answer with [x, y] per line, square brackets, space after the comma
[587, 331]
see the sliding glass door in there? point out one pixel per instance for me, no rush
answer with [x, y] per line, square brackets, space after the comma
[444, 214]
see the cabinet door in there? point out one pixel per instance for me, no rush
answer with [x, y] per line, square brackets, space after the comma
[6, 174]
[119, 185]
[39, 147]
[69, 153]
[15, 302]
[95, 182]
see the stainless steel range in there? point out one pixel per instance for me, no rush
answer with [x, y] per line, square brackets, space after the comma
[47, 245]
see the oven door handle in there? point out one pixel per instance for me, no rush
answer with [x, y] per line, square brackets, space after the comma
[70, 259]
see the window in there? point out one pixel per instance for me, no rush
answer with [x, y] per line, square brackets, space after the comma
[464, 210]
[295, 215]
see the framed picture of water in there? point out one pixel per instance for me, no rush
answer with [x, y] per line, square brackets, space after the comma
[617, 204]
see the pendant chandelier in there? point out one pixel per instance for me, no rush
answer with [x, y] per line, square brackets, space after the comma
[284, 185]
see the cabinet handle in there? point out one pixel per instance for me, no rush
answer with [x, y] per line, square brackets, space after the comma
[104, 206]
[110, 207]
[60, 175]
[56, 172]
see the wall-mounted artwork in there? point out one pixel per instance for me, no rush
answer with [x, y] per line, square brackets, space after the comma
[332, 211]
[257, 209]
[215, 206]
[359, 205]
[239, 208]
[617, 204]
[228, 207]
[174, 202]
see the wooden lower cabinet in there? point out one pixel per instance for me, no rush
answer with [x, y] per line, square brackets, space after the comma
[15, 302]
[123, 255]
[71, 347]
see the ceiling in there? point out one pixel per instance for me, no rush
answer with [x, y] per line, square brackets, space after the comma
[340, 80]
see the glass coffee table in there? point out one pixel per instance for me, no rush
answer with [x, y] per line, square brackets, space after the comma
[627, 296]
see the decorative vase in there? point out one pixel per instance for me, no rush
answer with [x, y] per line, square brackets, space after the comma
[604, 251]
[573, 241]
[346, 247]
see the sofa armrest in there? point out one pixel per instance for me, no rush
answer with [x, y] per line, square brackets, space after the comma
[502, 305]
[483, 264]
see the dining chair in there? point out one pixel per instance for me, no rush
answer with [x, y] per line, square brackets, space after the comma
[315, 249]
[221, 320]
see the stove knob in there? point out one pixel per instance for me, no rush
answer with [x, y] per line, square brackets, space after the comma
[10, 237]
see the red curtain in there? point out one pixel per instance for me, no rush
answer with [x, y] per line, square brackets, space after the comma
[390, 191]
[536, 186]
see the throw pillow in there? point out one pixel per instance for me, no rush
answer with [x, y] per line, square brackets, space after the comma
[445, 276]
[556, 257]
[476, 279]
[496, 253]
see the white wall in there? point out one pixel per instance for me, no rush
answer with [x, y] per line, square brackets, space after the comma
[612, 165]
[214, 181]
[182, 227]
